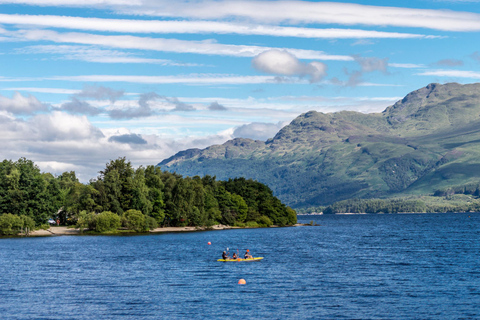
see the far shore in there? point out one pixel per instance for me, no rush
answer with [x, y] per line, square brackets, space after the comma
[62, 231]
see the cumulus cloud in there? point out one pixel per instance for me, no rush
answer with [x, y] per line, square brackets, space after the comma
[62, 126]
[449, 63]
[128, 139]
[20, 104]
[215, 106]
[282, 62]
[258, 130]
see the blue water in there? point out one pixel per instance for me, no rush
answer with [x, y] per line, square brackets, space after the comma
[351, 267]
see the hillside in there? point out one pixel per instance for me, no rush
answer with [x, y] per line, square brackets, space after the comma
[429, 140]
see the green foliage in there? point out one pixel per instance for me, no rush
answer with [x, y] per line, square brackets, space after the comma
[150, 223]
[140, 199]
[86, 220]
[252, 224]
[134, 220]
[10, 224]
[107, 221]
[264, 221]
[28, 223]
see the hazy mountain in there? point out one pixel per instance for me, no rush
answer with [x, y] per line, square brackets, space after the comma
[427, 141]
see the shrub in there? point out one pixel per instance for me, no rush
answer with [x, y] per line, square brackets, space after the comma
[10, 224]
[107, 221]
[210, 223]
[264, 221]
[239, 224]
[252, 224]
[134, 220]
[86, 220]
[150, 223]
[291, 216]
[28, 223]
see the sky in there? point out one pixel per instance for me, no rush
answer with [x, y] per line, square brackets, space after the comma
[85, 82]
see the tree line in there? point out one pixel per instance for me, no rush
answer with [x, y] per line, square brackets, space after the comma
[137, 199]
[448, 203]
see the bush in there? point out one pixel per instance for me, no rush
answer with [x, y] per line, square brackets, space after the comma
[210, 223]
[291, 216]
[134, 220]
[239, 224]
[10, 224]
[264, 221]
[150, 223]
[252, 224]
[86, 220]
[107, 221]
[28, 223]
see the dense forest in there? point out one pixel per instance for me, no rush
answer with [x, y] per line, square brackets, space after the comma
[453, 199]
[136, 199]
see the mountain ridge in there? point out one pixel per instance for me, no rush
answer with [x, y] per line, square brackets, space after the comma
[321, 158]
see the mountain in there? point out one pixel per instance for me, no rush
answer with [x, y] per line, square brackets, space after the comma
[427, 141]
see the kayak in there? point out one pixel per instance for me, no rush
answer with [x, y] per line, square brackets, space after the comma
[241, 260]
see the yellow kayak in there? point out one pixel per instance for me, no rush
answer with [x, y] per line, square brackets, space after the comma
[241, 260]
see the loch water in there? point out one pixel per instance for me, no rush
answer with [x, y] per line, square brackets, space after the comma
[403, 266]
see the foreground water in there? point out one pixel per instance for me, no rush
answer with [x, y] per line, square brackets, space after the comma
[352, 266]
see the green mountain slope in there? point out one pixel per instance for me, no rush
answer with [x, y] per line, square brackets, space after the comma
[427, 141]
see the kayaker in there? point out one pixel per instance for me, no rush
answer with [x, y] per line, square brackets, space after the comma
[248, 255]
[225, 256]
[234, 257]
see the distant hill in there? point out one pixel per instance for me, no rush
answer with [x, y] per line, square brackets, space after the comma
[427, 141]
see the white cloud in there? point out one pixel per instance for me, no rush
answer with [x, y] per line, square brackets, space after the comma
[20, 104]
[406, 65]
[283, 12]
[62, 126]
[95, 54]
[43, 90]
[258, 130]
[209, 47]
[198, 79]
[451, 73]
[198, 27]
[281, 62]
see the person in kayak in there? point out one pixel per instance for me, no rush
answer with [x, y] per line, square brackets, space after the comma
[234, 257]
[225, 256]
[248, 255]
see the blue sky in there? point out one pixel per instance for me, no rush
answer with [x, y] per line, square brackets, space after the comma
[83, 82]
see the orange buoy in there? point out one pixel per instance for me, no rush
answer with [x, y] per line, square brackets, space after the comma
[209, 243]
[242, 281]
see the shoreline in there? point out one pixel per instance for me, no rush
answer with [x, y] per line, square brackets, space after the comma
[63, 231]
